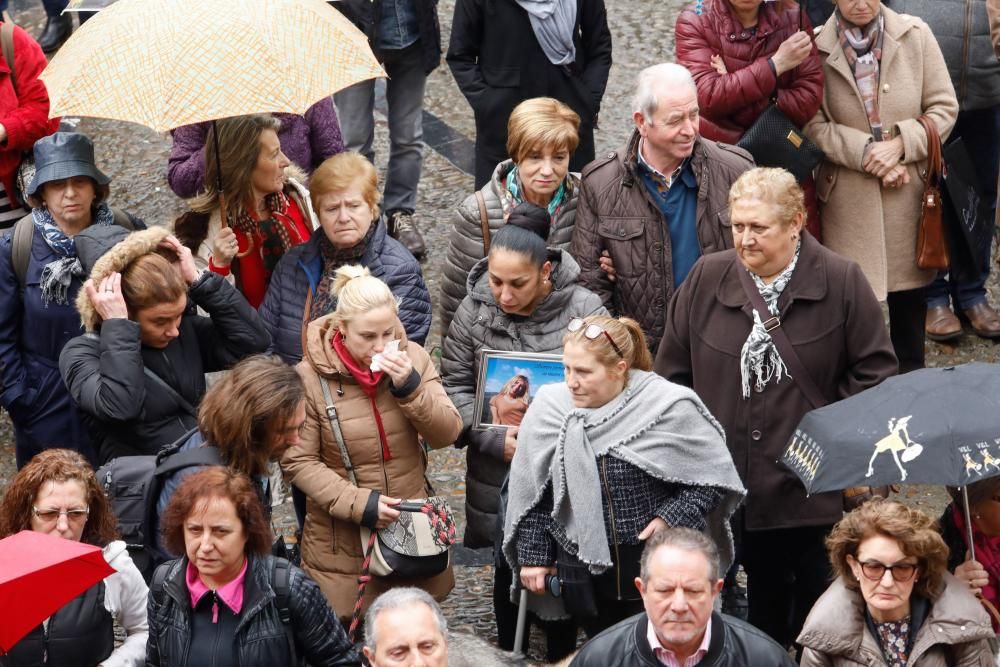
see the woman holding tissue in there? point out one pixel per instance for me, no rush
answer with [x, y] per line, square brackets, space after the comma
[388, 397]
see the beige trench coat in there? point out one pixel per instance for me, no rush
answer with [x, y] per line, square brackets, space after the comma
[331, 542]
[877, 227]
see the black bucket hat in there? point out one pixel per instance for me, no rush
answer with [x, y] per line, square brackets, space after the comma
[64, 155]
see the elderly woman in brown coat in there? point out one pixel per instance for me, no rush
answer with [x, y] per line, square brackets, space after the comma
[882, 70]
[381, 414]
[716, 343]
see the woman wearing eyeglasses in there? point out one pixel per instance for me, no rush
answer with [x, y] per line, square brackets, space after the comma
[608, 458]
[57, 493]
[893, 602]
[720, 346]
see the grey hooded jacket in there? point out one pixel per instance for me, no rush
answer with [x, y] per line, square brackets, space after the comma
[480, 324]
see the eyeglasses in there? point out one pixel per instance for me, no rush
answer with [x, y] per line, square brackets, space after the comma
[49, 515]
[592, 332]
[874, 570]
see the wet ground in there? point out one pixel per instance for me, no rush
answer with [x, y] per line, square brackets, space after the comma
[136, 159]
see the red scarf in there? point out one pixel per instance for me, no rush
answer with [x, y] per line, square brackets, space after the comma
[368, 381]
[987, 553]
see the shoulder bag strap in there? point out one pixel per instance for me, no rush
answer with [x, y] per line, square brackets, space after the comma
[20, 247]
[934, 163]
[773, 326]
[7, 43]
[331, 414]
[484, 222]
[181, 401]
[281, 583]
[206, 455]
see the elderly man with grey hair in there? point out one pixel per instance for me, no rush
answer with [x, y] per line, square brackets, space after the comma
[650, 209]
[679, 581]
[405, 627]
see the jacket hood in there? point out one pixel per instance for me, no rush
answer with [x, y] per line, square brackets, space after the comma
[114, 260]
[94, 241]
[565, 272]
[319, 350]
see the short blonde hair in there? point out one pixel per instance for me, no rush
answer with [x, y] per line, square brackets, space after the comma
[541, 122]
[627, 335]
[915, 532]
[359, 292]
[339, 173]
[775, 186]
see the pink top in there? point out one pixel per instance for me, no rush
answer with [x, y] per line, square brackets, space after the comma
[667, 657]
[231, 594]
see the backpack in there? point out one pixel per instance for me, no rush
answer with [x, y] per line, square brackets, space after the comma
[133, 485]
[23, 236]
[280, 577]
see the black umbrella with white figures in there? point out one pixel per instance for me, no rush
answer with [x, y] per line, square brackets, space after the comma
[931, 426]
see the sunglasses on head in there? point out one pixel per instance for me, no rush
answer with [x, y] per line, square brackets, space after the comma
[592, 332]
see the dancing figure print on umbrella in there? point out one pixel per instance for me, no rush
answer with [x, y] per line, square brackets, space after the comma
[894, 443]
[970, 465]
[988, 460]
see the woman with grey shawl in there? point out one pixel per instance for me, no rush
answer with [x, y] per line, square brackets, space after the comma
[606, 459]
[40, 275]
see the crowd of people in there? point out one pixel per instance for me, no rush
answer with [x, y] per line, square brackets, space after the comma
[701, 300]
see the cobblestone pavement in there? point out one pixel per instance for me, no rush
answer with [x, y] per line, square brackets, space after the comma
[136, 158]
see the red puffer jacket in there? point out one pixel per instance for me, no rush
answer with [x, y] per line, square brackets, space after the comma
[25, 113]
[731, 102]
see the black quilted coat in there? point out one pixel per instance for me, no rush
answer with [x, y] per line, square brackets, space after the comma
[260, 639]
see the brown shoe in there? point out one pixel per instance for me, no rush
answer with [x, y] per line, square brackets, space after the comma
[984, 320]
[403, 228]
[942, 324]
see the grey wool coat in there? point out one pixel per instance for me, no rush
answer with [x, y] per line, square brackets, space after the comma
[465, 244]
[480, 324]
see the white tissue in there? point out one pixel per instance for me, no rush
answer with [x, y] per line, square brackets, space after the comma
[391, 346]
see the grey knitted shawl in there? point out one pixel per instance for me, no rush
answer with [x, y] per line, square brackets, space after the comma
[660, 427]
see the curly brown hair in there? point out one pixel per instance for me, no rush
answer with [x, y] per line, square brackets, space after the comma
[915, 532]
[216, 482]
[243, 413]
[57, 465]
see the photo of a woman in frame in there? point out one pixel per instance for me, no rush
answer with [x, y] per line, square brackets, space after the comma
[508, 406]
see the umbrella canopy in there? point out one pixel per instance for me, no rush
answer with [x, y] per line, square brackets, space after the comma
[931, 426]
[167, 64]
[39, 573]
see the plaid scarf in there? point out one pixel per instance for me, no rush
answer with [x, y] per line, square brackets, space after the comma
[759, 356]
[273, 235]
[333, 258]
[863, 50]
[58, 274]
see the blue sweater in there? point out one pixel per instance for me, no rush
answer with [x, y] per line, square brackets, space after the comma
[679, 206]
[301, 268]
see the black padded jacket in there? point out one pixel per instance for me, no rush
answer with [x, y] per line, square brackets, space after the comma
[260, 639]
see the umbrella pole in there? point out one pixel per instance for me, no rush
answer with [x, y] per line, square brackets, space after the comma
[968, 521]
[218, 176]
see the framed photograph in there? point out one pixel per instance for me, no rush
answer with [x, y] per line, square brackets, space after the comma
[507, 383]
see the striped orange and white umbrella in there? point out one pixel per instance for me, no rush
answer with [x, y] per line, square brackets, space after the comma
[167, 63]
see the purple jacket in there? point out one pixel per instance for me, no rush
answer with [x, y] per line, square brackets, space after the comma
[306, 140]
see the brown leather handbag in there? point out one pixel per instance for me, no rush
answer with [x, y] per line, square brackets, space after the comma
[932, 249]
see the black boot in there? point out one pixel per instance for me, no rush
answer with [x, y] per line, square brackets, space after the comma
[57, 30]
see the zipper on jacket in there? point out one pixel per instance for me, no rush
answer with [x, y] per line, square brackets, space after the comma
[45, 642]
[614, 531]
[963, 80]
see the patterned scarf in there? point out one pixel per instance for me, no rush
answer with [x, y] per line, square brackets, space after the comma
[273, 235]
[759, 356]
[514, 187]
[863, 50]
[58, 274]
[333, 258]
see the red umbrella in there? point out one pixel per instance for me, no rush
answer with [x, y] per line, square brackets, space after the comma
[39, 573]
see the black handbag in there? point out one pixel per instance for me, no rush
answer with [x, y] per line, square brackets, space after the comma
[775, 141]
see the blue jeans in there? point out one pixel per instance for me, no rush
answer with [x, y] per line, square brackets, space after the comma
[404, 92]
[980, 130]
